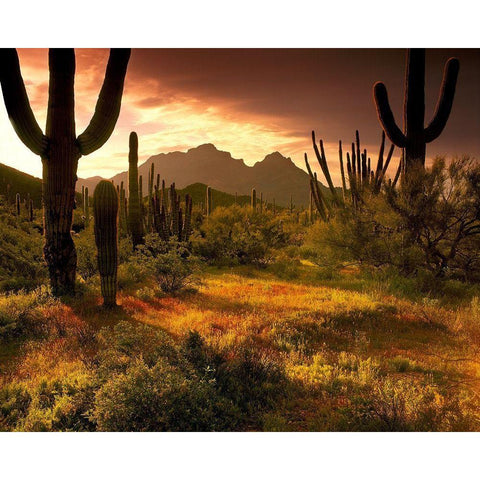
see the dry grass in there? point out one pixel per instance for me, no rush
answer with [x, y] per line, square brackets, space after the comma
[354, 360]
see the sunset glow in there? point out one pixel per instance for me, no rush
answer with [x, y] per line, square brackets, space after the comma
[179, 99]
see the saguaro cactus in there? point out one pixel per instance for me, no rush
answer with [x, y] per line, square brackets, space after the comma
[105, 213]
[253, 199]
[415, 135]
[134, 219]
[208, 201]
[60, 148]
[17, 204]
[86, 205]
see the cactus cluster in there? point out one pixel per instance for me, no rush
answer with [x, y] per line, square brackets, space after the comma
[362, 176]
[27, 203]
[169, 219]
[105, 214]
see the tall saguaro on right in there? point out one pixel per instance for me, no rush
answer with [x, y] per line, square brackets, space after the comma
[415, 135]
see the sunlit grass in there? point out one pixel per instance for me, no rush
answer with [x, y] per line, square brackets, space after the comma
[355, 359]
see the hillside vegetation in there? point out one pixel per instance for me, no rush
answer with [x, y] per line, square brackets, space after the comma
[254, 337]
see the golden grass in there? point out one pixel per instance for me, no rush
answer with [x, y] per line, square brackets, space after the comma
[331, 341]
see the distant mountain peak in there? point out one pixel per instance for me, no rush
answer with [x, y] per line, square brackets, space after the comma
[204, 147]
[275, 159]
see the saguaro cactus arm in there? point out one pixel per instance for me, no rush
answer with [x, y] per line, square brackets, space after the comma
[108, 104]
[385, 115]
[17, 104]
[445, 100]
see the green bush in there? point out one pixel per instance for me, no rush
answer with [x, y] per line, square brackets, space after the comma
[170, 264]
[21, 253]
[238, 235]
[158, 398]
[149, 384]
[19, 311]
[57, 404]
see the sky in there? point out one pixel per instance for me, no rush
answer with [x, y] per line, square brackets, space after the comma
[249, 102]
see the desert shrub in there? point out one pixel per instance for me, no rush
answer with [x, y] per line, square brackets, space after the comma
[439, 211]
[158, 398]
[429, 228]
[239, 235]
[14, 403]
[406, 405]
[170, 264]
[53, 404]
[20, 311]
[86, 254]
[252, 379]
[358, 237]
[286, 267]
[148, 383]
[21, 253]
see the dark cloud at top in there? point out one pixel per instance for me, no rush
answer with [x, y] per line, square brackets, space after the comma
[329, 90]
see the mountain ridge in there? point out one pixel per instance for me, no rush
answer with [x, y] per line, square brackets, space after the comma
[276, 176]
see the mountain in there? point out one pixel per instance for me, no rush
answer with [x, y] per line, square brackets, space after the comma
[13, 181]
[275, 176]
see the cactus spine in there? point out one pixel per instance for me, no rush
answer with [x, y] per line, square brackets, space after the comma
[105, 213]
[60, 148]
[415, 136]
[134, 219]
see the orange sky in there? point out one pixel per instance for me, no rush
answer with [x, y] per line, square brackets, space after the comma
[249, 103]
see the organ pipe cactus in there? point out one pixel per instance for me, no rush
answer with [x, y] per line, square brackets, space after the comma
[322, 160]
[134, 219]
[105, 213]
[360, 174]
[60, 148]
[415, 135]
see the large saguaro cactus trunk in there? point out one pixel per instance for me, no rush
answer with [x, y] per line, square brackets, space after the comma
[59, 172]
[60, 148]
